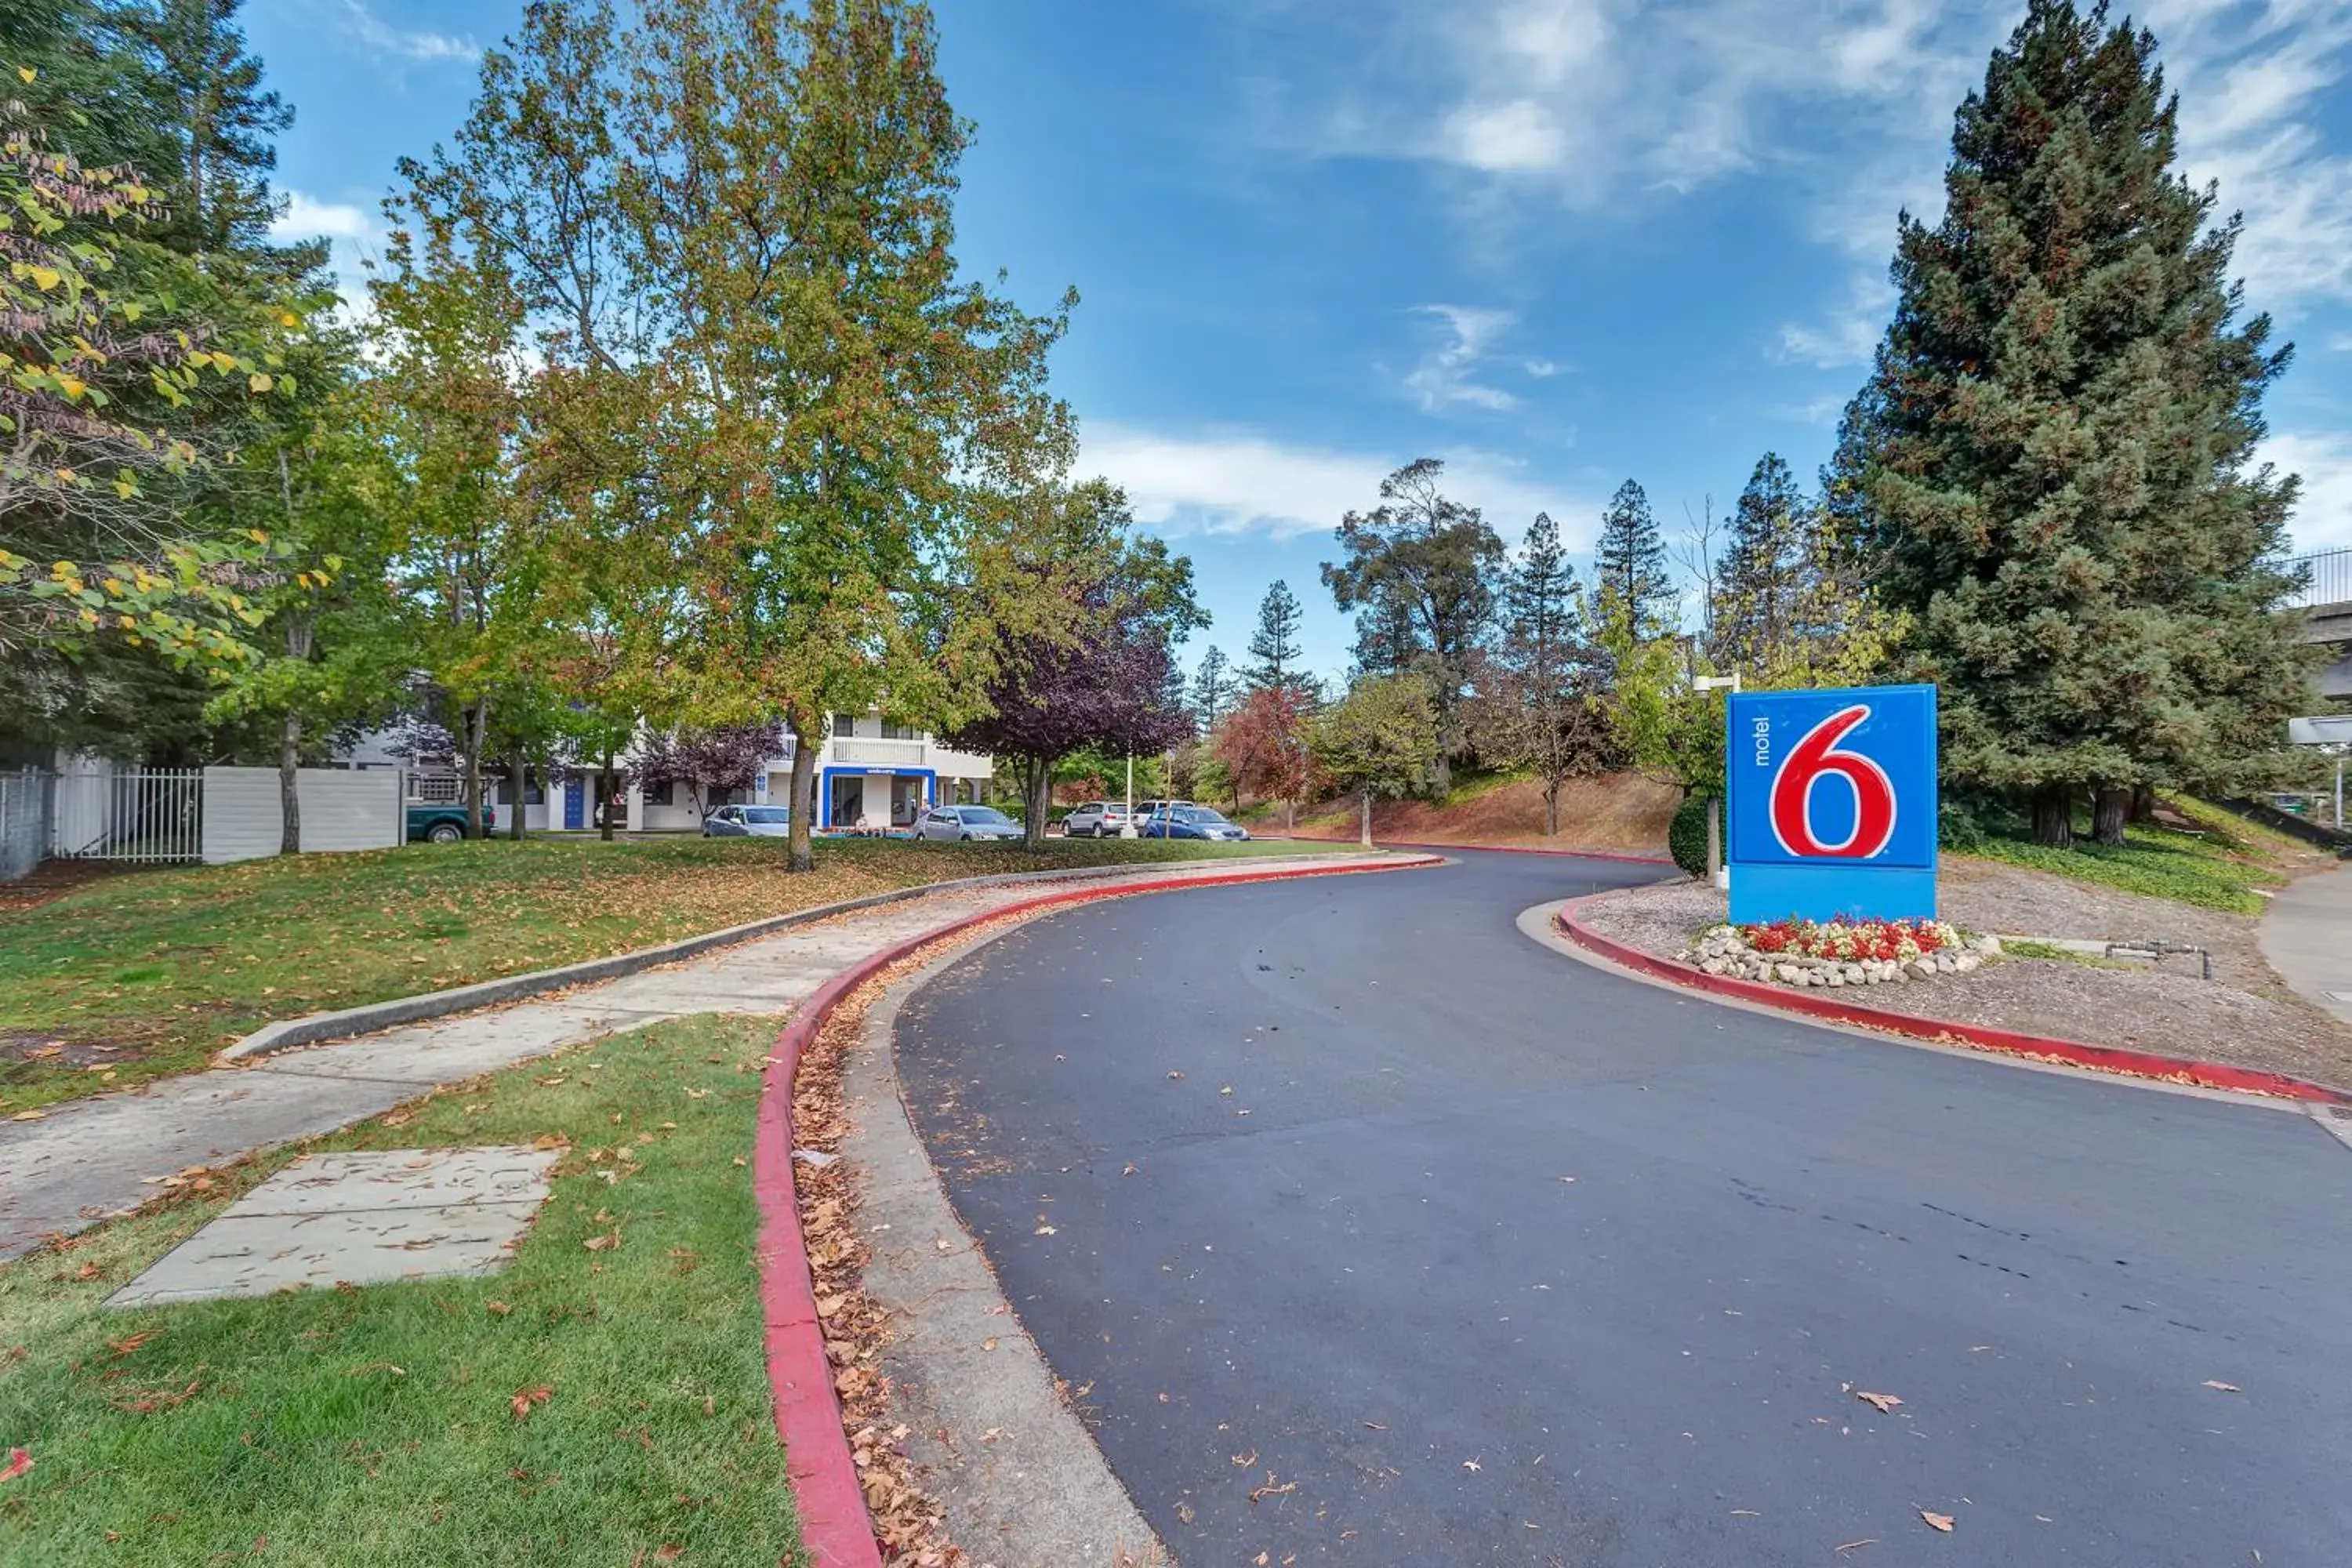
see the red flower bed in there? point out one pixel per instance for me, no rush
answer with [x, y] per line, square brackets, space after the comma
[1893, 941]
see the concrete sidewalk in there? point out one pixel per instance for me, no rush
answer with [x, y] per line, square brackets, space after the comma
[93, 1158]
[2306, 935]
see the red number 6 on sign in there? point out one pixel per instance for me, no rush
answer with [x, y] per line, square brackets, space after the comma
[1792, 792]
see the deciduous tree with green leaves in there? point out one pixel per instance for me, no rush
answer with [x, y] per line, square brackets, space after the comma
[747, 207]
[1381, 739]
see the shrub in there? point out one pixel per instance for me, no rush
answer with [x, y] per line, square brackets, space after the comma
[1686, 834]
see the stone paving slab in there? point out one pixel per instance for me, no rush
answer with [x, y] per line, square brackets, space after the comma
[361, 1218]
[93, 1158]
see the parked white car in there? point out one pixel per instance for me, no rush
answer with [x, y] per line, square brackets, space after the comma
[748, 822]
[966, 823]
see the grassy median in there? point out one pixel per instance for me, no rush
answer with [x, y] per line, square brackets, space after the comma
[140, 975]
[601, 1405]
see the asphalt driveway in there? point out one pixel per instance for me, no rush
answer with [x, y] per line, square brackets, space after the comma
[1371, 1232]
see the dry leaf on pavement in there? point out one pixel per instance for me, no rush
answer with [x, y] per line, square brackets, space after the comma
[1942, 1521]
[1883, 1403]
[2223, 1387]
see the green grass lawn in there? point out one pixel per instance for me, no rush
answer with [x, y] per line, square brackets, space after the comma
[379, 1425]
[144, 975]
[2217, 871]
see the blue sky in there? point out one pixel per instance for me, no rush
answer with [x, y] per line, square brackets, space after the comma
[1557, 243]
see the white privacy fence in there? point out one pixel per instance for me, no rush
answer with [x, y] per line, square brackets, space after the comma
[163, 815]
[24, 822]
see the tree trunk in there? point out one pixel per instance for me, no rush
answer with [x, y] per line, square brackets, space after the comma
[1442, 776]
[1367, 797]
[1288, 807]
[1551, 808]
[604, 802]
[802, 856]
[517, 779]
[2054, 817]
[1037, 798]
[2110, 807]
[2143, 805]
[477, 726]
[289, 791]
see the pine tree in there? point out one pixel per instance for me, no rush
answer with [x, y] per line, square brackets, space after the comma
[2061, 481]
[1213, 688]
[1533, 711]
[1759, 579]
[218, 126]
[1274, 647]
[1628, 563]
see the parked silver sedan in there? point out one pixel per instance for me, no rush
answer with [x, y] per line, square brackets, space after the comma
[965, 823]
[748, 822]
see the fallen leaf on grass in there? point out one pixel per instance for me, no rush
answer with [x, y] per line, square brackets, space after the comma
[147, 1401]
[2220, 1387]
[19, 1461]
[525, 1399]
[500, 1308]
[604, 1243]
[1942, 1521]
[1883, 1403]
[551, 1141]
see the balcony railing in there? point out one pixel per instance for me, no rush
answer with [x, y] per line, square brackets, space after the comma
[848, 751]
[2327, 578]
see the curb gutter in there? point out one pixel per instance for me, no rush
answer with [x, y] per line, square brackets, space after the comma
[836, 1529]
[369, 1017]
[2006, 1042]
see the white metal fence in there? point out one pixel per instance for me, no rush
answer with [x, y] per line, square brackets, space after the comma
[151, 815]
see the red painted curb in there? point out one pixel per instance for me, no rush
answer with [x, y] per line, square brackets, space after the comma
[1630, 860]
[2007, 1042]
[835, 1526]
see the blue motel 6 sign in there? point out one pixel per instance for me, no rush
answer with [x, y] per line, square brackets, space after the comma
[1832, 804]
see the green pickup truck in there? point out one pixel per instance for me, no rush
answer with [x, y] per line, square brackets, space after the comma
[446, 823]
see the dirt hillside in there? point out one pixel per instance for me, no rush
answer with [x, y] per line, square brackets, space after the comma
[1621, 812]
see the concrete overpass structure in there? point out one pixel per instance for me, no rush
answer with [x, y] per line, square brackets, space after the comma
[2325, 604]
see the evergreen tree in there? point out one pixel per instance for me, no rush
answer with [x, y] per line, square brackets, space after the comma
[216, 122]
[2061, 480]
[1760, 576]
[1628, 563]
[1421, 570]
[1213, 688]
[1274, 647]
[1533, 709]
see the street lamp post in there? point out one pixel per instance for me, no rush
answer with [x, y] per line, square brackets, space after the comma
[1715, 872]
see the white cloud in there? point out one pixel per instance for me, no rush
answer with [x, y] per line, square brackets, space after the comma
[364, 25]
[1848, 336]
[1443, 378]
[2323, 518]
[1844, 104]
[1240, 482]
[307, 217]
[1544, 369]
